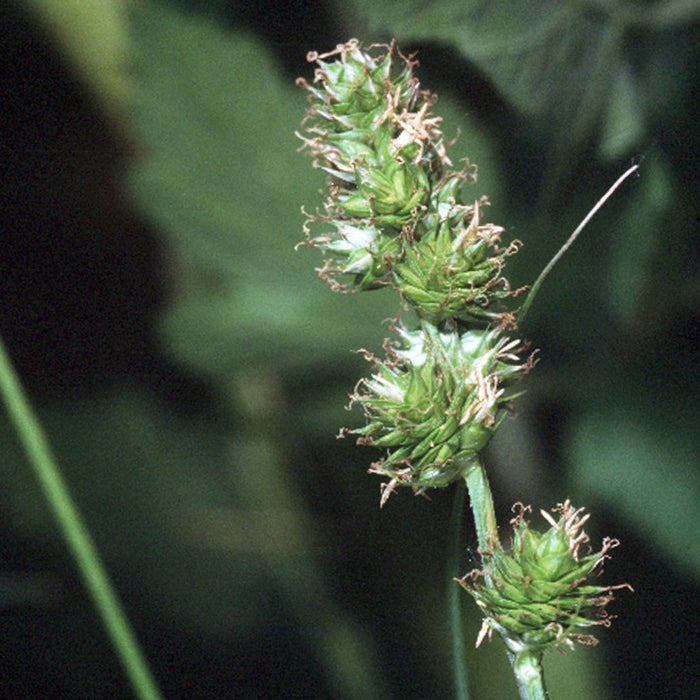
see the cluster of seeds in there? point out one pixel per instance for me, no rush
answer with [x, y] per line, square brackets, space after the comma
[540, 594]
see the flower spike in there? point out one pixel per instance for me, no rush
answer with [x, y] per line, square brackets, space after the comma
[434, 403]
[541, 594]
[396, 215]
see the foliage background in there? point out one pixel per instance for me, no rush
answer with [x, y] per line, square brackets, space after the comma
[191, 371]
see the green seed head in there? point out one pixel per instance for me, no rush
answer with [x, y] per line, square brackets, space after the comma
[435, 402]
[453, 269]
[540, 595]
[393, 214]
[355, 84]
[369, 127]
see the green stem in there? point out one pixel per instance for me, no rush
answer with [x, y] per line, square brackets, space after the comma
[454, 597]
[527, 666]
[76, 535]
[481, 502]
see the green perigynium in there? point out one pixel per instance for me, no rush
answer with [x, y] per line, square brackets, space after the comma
[542, 593]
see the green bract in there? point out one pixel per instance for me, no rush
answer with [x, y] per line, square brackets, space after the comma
[541, 594]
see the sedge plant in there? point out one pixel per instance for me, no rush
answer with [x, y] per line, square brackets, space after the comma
[398, 214]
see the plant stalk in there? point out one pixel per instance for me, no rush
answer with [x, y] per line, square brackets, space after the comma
[454, 597]
[529, 675]
[75, 533]
[481, 502]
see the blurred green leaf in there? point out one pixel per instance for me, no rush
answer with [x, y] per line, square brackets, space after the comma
[208, 517]
[561, 61]
[534, 51]
[94, 36]
[154, 492]
[646, 471]
[624, 127]
[641, 280]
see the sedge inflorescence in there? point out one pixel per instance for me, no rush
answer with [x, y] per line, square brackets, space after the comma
[396, 215]
[542, 593]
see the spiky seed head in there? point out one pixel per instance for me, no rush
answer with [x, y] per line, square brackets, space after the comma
[541, 593]
[369, 127]
[393, 214]
[435, 401]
